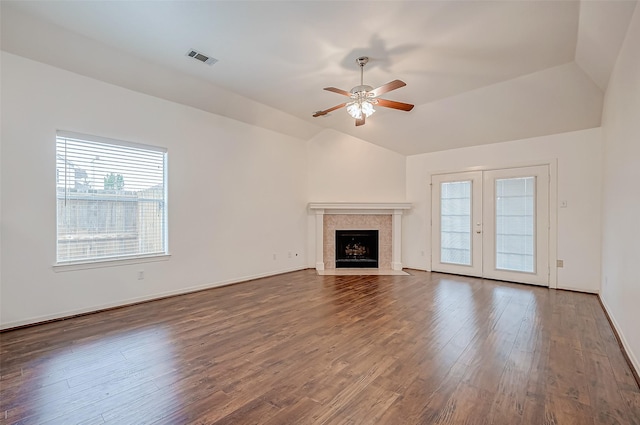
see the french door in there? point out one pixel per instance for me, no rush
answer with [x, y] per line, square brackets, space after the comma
[492, 224]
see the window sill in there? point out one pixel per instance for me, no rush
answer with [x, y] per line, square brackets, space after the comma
[97, 264]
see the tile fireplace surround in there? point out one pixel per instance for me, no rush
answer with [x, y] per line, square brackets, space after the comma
[386, 217]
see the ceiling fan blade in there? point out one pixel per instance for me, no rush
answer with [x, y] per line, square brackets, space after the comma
[360, 121]
[392, 85]
[339, 91]
[326, 111]
[395, 105]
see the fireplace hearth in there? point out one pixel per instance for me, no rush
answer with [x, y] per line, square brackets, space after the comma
[356, 248]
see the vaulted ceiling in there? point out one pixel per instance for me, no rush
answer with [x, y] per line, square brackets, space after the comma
[477, 71]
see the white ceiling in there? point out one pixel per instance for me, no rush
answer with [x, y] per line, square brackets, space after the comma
[477, 71]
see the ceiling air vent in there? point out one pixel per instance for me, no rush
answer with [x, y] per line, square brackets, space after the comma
[201, 57]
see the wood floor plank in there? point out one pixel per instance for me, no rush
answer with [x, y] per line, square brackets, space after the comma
[606, 400]
[567, 411]
[303, 408]
[566, 371]
[77, 407]
[428, 348]
[509, 401]
[367, 407]
[466, 405]
[633, 401]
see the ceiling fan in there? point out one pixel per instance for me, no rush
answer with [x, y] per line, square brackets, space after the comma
[364, 97]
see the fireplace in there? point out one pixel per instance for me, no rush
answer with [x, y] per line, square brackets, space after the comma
[385, 217]
[356, 248]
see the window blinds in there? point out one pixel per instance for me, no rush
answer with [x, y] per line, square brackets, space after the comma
[455, 226]
[111, 199]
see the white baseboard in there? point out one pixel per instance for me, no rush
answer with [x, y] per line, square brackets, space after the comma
[630, 354]
[123, 303]
[420, 268]
[576, 289]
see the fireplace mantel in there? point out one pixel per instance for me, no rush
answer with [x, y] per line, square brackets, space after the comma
[395, 209]
[359, 207]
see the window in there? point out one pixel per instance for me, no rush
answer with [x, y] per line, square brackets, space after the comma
[111, 199]
[455, 222]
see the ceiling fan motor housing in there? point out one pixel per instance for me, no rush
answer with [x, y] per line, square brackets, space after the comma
[361, 88]
[362, 60]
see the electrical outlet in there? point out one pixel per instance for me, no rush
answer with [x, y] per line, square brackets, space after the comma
[274, 256]
[140, 274]
[289, 254]
[560, 263]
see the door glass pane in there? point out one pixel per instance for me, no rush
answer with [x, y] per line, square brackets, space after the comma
[515, 218]
[455, 223]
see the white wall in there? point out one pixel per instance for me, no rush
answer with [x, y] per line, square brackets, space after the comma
[578, 158]
[237, 194]
[342, 168]
[621, 200]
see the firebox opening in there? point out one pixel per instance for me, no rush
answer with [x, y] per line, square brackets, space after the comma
[357, 248]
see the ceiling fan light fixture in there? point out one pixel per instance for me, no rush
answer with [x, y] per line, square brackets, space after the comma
[354, 110]
[367, 108]
[359, 107]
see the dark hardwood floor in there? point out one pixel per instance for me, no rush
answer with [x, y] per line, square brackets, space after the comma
[305, 349]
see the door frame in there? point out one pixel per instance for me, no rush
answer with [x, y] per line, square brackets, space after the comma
[553, 206]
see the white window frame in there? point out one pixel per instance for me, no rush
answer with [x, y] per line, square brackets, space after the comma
[107, 261]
